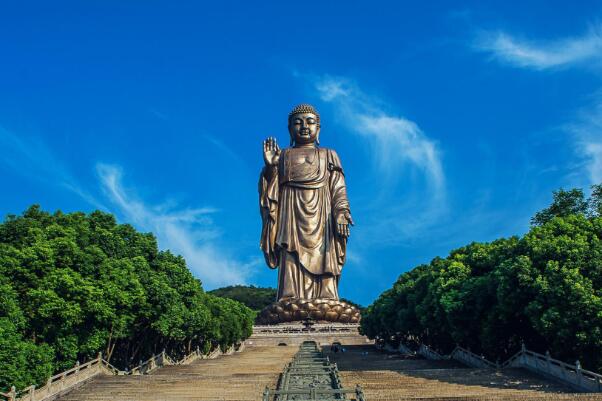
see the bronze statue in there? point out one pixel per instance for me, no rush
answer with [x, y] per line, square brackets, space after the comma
[306, 217]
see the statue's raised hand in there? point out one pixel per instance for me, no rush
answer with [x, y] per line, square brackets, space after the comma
[271, 152]
[343, 221]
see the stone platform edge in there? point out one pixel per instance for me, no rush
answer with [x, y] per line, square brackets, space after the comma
[296, 333]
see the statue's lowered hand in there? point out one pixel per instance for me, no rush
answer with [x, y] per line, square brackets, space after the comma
[344, 220]
[271, 152]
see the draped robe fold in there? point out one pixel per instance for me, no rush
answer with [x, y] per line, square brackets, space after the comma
[299, 200]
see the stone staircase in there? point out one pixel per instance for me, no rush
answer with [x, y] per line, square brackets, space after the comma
[385, 376]
[382, 376]
[241, 376]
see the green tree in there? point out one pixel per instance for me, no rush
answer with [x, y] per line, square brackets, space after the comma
[544, 288]
[255, 298]
[565, 204]
[76, 284]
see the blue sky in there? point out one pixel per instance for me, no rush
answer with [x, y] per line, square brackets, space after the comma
[454, 120]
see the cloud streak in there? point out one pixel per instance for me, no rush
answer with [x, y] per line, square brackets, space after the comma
[398, 142]
[401, 152]
[587, 131]
[31, 158]
[189, 232]
[541, 55]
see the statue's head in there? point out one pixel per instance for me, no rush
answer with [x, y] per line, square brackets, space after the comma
[304, 125]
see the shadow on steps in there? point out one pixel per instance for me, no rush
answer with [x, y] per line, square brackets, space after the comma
[388, 376]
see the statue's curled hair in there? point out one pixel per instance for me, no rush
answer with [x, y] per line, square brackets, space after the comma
[304, 108]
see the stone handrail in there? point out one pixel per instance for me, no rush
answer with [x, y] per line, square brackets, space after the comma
[151, 364]
[74, 377]
[471, 359]
[578, 378]
[213, 354]
[430, 353]
[188, 359]
[63, 381]
[403, 349]
[572, 375]
[294, 329]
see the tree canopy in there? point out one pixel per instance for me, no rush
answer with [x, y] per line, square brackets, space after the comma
[253, 297]
[73, 285]
[544, 288]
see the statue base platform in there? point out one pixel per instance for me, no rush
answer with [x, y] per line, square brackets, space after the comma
[319, 310]
[294, 334]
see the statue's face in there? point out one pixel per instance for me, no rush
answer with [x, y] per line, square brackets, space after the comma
[304, 127]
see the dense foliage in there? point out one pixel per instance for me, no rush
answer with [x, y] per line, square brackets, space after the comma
[73, 285]
[544, 288]
[255, 298]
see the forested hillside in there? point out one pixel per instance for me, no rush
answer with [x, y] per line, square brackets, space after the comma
[74, 284]
[544, 288]
[255, 298]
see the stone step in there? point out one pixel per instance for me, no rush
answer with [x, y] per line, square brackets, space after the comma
[384, 376]
[238, 377]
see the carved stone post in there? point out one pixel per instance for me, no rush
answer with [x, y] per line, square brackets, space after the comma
[99, 358]
[578, 371]
[12, 394]
[548, 363]
[523, 350]
[32, 393]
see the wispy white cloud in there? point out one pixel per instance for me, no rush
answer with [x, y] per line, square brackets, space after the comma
[586, 129]
[397, 141]
[542, 55]
[189, 232]
[402, 153]
[587, 133]
[593, 150]
[31, 158]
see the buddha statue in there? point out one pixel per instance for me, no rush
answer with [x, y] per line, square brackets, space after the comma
[306, 221]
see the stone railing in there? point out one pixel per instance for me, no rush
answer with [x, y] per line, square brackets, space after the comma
[471, 359]
[153, 363]
[294, 329]
[403, 349]
[572, 375]
[429, 353]
[61, 383]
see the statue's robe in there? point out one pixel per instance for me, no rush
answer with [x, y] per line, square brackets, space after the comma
[299, 201]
